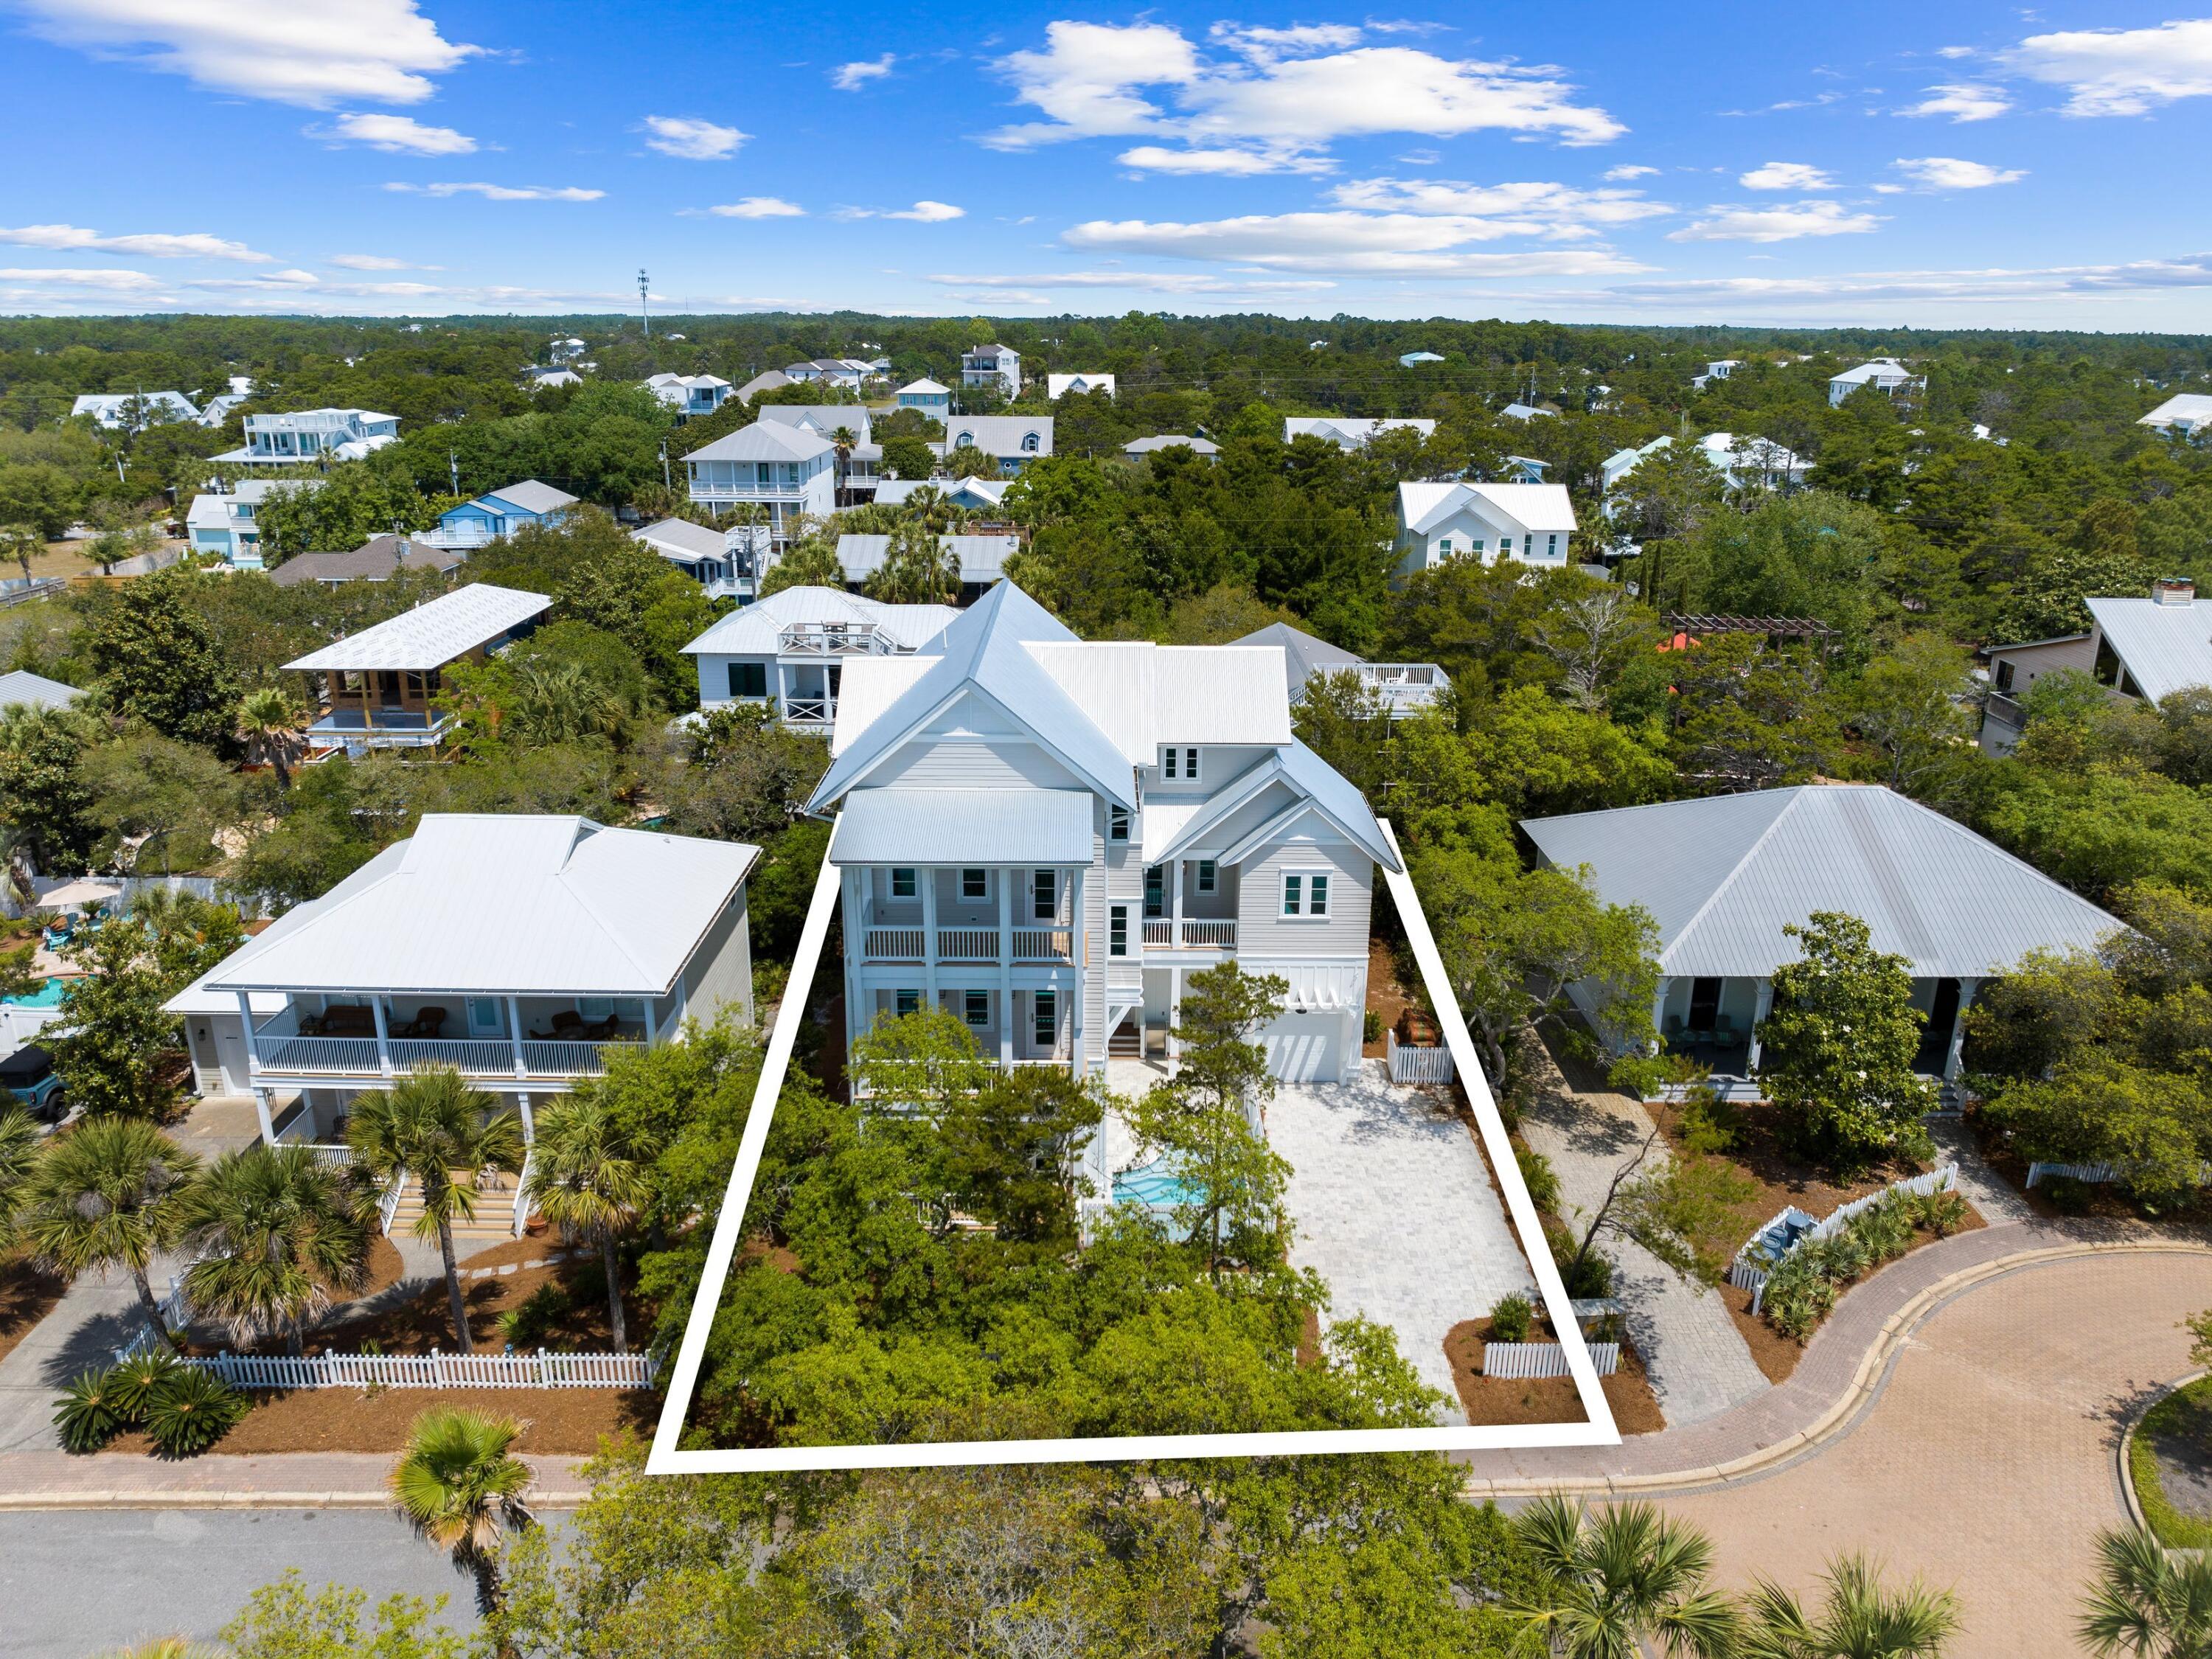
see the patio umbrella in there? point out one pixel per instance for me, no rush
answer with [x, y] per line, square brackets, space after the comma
[76, 895]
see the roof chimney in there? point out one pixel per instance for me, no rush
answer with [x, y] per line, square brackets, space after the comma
[2173, 590]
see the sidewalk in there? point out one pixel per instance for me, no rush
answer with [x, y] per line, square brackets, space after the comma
[293, 1481]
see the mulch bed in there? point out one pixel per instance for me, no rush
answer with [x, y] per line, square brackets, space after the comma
[1493, 1400]
[2104, 1201]
[346, 1420]
[26, 1296]
[1388, 995]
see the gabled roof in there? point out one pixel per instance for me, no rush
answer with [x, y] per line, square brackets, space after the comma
[21, 685]
[1057, 385]
[764, 440]
[766, 381]
[1000, 435]
[1303, 656]
[1169, 440]
[1314, 786]
[681, 539]
[924, 387]
[1881, 368]
[1542, 507]
[530, 497]
[2182, 409]
[1018, 825]
[983, 492]
[1349, 431]
[492, 902]
[982, 558]
[1721, 876]
[431, 635]
[2165, 647]
[822, 418]
[756, 629]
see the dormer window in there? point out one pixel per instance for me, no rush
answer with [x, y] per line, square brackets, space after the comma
[1030, 442]
[1179, 765]
[966, 440]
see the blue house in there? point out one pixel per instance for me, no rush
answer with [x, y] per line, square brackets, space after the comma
[501, 513]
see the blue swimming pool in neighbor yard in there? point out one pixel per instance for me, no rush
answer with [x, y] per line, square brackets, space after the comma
[48, 995]
[1156, 1186]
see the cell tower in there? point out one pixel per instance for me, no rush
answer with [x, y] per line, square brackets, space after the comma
[642, 316]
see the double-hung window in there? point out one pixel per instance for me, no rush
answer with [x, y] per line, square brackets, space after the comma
[1305, 893]
[1117, 823]
[1179, 763]
[1208, 876]
[977, 1007]
[1044, 896]
[975, 883]
[1117, 930]
[1156, 895]
[1044, 1024]
[905, 883]
[906, 1002]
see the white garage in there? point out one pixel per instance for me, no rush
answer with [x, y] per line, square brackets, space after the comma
[1311, 1046]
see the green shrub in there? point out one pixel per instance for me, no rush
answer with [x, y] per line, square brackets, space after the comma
[135, 1381]
[1589, 1279]
[1941, 1213]
[528, 1325]
[1370, 1027]
[1537, 1176]
[1509, 1320]
[1710, 1124]
[86, 1413]
[2066, 1195]
[1802, 1288]
[190, 1410]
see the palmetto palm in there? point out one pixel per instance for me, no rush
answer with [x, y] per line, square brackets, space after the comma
[1859, 1617]
[107, 1194]
[560, 702]
[1626, 1576]
[275, 1233]
[21, 543]
[432, 1124]
[460, 1487]
[586, 1178]
[268, 725]
[19, 1155]
[844, 441]
[2147, 1603]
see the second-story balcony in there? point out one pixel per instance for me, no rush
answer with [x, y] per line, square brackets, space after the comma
[1191, 933]
[529, 1039]
[969, 946]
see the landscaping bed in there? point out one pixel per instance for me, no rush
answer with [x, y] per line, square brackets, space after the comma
[2061, 1198]
[2170, 1462]
[26, 1296]
[1499, 1400]
[1387, 995]
[351, 1419]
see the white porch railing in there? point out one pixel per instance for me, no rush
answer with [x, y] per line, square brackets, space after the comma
[357, 1056]
[432, 1370]
[967, 944]
[465, 1055]
[1159, 935]
[892, 943]
[1209, 935]
[314, 1054]
[571, 1058]
[810, 711]
[331, 1154]
[389, 1205]
[1410, 1063]
[1044, 944]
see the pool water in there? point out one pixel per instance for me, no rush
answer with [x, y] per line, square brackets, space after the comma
[48, 995]
[1156, 1186]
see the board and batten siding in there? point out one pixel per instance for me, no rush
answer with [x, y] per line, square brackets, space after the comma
[978, 763]
[1261, 928]
[720, 974]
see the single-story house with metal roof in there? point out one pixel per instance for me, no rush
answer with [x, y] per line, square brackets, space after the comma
[21, 686]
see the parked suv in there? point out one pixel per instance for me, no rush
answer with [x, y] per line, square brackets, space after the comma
[29, 1075]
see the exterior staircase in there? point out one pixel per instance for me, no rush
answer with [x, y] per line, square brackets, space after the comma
[493, 1223]
[1127, 1041]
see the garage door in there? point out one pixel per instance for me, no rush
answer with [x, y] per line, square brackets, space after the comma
[1306, 1048]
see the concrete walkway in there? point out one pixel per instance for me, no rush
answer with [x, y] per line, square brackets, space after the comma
[1698, 1362]
[1393, 1209]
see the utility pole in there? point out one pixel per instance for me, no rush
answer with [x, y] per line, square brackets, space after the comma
[664, 481]
[643, 315]
[453, 469]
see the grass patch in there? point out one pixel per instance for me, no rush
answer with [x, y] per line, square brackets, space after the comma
[2183, 1419]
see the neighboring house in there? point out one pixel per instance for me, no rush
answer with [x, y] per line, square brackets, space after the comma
[1885, 375]
[847, 372]
[1046, 837]
[566, 350]
[983, 559]
[375, 561]
[1415, 359]
[2186, 414]
[1531, 522]
[307, 436]
[690, 394]
[1722, 875]
[863, 468]
[1743, 464]
[522, 949]
[1521, 411]
[792, 648]
[771, 379]
[722, 561]
[1403, 687]
[1057, 387]
[928, 397]
[984, 364]
[499, 513]
[373, 690]
[2143, 650]
[2012, 668]
[1013, 441]
[985, 496]
[540, 378]
[1525, 468]
[1351, 431]
[21, 688]
[787, 469]
[215, 411]
[1719, 370]
[226, 521]
[1170, 441]
[114, 410]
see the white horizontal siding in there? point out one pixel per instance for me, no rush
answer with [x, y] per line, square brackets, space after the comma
[1261, 928]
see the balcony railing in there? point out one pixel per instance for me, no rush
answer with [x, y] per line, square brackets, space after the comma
[1195, 935]
[967, 944]
[892, 945]
[1159, 935]
[324, 1055]
[809, 711]
[1044, 944]
[319, 1056]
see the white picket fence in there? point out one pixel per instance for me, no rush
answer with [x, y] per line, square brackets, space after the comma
[542, 1370]
[1411, 1064]
[2095, 1174]
[1519, 1360]
[1750, 1270]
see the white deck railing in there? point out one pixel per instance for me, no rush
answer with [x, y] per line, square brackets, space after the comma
[892, 943]
[1209, 935]
[1159, 935]
[316, 1056]
[319, 1054]
[967, 944]
[1044, 944]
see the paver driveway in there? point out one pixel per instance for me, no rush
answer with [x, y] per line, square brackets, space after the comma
[1988, 1461]
[1394, 1210]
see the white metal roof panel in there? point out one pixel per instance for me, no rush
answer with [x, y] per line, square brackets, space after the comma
[679, 539]
[868, 686]
[2166, 648]
[530, 497]
[432, 633]
[21, 685]
[964, 827]
[763, 441]
[756, 629]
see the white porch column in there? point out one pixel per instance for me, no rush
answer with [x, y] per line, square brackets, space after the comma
[252, 1042]
[1952, 1055]
[1175, 1015]
[1659, 1010]
[1175, 905]
[383, 1036]
[529, 1123]
[855, 931]
[1006, 966]
[1079, 950]
[514, 1034]
[261, 1111]
[925, 878]
[1763, 1005]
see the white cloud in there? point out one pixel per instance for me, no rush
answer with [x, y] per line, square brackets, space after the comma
[107, 281]
[689, 139]
[503, 192]
[2121, 71]
[1954, 51]
[851, 77]
[1621, 175]
[194, 245]
[1366, 244]
[1962, 100]
[1519, 210]
[1295, 89]
[377, 262]
[1159, 282]
[925, 212]
[272, 281]
[400, 133]
[1776, 224]
[1948, 173]
[1992, 286]
[758, 207]
[1221, 163]
[1787, 175]
[313, 52]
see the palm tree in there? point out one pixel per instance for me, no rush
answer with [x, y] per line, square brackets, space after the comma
[19, 1155]
[275, 1233]
[586, 1178]
[1859, 1619]
[268, 725]
[560, 702]
[844, 441]
[460, 1487]
[1625, 1576]
[108, 1193]
[928, 508]
[431, 1124]
[2147, 1603]
[21, 543]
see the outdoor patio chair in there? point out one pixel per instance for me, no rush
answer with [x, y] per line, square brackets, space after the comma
[567, 1027]
[427, 1023]
[349, 1020]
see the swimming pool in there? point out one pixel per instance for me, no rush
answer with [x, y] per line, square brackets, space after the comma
[1155, 1186]
[48, 995]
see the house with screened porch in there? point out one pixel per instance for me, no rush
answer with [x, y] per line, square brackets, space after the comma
[1047, 836]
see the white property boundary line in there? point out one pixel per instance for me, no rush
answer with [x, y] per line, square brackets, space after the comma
[666, 1458]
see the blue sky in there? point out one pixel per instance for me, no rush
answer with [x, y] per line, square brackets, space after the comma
[1956, 165]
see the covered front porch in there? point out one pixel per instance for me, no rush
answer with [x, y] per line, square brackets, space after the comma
[1715, 1022]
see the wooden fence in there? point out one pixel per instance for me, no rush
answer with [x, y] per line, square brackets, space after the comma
[1410, 1063]
[1536, 1359]
[432, 1370]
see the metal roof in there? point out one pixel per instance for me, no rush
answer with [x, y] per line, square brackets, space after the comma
[530, 497]
[433, 633]
[982, 558]
[1349, 431]
[1424, 507]
[2182, 409]
[1000, 435]
[1169, 440]
[980, 492]
[2166, 648]
[964, 827]
[518, 904]
[21, 685]
[924, 388]
[1721, 876]
[756, 630]
[822, 419]
[763, 441]
[1303, 656]
[681, 539]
